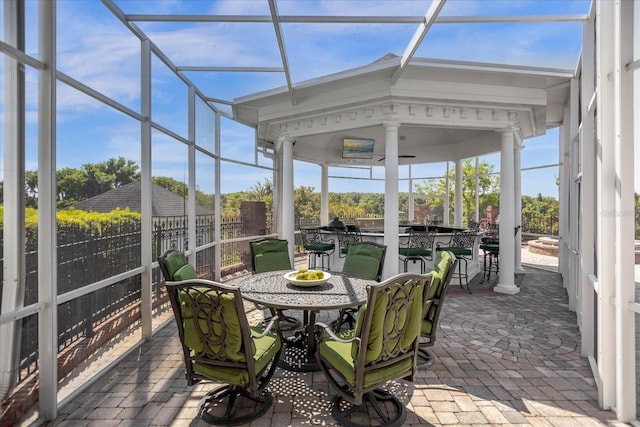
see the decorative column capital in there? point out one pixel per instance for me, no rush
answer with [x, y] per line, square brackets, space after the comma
[283, 139]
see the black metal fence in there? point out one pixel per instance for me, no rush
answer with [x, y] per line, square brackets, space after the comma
[88, 253]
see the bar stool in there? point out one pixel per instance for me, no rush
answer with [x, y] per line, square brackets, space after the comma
[317, 247]
[491, 249]
[419, 247]
[461, 245]
[347, 236]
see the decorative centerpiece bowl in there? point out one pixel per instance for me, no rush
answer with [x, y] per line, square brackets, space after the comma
[291, 278]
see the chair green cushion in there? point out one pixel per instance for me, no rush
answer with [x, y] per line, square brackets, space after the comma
[363, 261]
[456, 251]
[383, 322]
[225, 341]
[272, 261]
[271, 255]
[319, 247]
[490, 247]
[266, 349]
[444, 262]
[173, 261]
[185, 272]
[414, 252]
[338, 355]
[432, 292]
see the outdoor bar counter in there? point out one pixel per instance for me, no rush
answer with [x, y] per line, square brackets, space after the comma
[376, 234]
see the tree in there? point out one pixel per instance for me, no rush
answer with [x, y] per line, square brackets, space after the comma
[75, 185]
[488, 186]
[171, 184]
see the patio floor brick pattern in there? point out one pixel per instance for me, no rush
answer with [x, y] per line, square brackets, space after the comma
[499, 360]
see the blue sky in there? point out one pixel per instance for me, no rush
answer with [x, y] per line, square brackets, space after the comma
[95, 49]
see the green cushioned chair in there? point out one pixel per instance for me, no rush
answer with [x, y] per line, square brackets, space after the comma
[418, 248]
[317, 247]
[444, 267]
[382, 347]
[218, 345]
[269, 254]
[462, 245]
[364, 260]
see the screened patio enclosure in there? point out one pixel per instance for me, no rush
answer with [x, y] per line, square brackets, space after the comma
[203, 95]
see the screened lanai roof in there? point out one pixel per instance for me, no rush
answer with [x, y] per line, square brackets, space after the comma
[235, 48]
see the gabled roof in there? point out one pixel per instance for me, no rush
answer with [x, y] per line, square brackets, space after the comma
[164, 202]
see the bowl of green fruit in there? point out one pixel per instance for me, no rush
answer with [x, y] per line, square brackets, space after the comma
[306, 277]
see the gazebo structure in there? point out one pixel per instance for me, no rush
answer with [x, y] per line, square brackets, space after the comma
[438, 111]
[433, 109]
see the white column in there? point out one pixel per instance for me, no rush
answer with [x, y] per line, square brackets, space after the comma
[476, 216]
[517, 187]
[458, 209]
[324, 195]
[288, 220]
[445, 202]
[506, 283]
[391, 203]
[411, 213]
[47, 239]
[277, 192]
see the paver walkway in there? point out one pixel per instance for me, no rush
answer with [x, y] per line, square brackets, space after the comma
[499, 360]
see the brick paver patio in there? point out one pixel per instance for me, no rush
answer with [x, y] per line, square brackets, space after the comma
[499, 360]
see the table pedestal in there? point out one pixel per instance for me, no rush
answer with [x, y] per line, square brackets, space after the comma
[299, 353]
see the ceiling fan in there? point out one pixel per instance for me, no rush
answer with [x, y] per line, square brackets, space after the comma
[400, 156]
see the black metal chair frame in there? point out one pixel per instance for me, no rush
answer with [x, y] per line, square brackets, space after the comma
[349, 235]
[256, 390]
[313, 236]
[463, 240]
[418, 239]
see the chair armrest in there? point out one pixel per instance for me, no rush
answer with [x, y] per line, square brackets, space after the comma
[330, 240]
[327, 329]
[267, 329]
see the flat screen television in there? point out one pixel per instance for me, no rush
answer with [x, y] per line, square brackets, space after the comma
[355, 148]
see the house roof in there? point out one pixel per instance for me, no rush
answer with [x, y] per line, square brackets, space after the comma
[164, 202]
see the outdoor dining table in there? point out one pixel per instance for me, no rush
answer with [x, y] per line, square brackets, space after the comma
[272, 290]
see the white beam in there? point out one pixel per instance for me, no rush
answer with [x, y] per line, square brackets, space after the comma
[146, 208]
[13, 288]
[283, 51]
[624, 209]
[606, 230]
[47, 239]
[432, 13]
